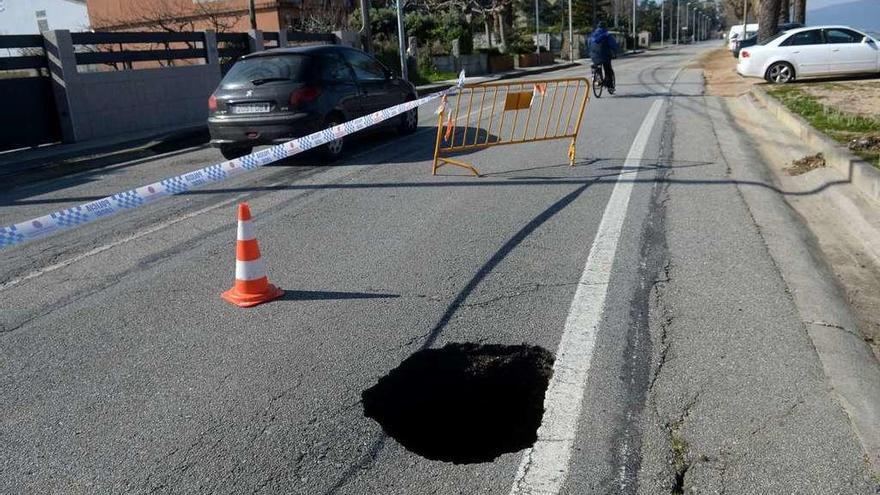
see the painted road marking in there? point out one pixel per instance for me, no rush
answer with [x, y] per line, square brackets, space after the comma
[544, 466]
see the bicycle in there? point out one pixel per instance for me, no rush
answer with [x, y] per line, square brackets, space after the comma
[599, 81]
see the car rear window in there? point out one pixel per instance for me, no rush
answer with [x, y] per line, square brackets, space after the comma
[268, 68]
[772, 38]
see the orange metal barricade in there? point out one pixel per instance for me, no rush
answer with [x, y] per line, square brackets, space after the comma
[509, 113]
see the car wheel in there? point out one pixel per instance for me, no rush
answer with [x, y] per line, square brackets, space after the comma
[333, 150]
[780, 73]
[232, 151]
[409, 121]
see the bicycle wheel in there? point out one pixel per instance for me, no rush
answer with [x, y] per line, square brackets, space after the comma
[598, 83]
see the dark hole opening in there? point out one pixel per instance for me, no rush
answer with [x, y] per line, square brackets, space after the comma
[464, 403]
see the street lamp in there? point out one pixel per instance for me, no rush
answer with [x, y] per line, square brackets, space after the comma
[252, 10]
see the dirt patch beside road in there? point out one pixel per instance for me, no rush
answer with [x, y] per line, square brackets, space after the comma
[719, 69]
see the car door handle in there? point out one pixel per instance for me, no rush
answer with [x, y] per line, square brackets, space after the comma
[835, 49]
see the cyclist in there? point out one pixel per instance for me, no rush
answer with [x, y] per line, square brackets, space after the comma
[602, 49]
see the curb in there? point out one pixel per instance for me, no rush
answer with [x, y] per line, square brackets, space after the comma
[864, 176]
[501, 77]
[849, 364]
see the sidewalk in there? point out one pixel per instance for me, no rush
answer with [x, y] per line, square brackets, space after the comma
[42, 160]
[440, 86]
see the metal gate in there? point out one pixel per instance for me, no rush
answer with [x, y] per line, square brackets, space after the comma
[29, 117]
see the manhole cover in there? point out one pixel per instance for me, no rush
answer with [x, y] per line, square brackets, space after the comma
[463, 403]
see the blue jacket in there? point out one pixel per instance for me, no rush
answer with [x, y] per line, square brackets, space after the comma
[602, 46]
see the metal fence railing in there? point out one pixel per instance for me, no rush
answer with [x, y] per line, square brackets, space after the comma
[507, 113]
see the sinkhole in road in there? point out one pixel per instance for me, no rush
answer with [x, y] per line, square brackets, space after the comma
[463, 403]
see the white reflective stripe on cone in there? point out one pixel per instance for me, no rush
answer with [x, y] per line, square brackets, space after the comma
[245, 230]
[249, 270]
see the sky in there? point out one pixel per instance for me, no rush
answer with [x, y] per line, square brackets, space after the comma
[19, 16]
[818, 4]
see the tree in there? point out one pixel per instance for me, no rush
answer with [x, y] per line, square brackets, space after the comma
[768, 19]
[800, 11]
[785, 11]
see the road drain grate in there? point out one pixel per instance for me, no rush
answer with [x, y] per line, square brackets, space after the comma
[464, 403]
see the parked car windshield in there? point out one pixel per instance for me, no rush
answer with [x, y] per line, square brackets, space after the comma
[261, 70]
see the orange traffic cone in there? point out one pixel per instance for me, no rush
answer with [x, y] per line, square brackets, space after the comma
[252, 286]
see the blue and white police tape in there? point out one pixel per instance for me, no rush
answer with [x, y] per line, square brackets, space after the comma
[78, 215]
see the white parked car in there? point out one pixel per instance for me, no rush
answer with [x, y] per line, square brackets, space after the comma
[811, 52]
[736, 33]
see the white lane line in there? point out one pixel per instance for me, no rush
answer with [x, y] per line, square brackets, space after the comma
[544, 467]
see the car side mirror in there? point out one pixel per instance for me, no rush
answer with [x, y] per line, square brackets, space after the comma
[868, 41]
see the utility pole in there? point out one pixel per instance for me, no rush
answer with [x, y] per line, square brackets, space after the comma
[635, 40]
[687, 17]
[678, 22]
[401, 41]
[366, 35]
[616, 7]
[252, 10]
[537, 29]
[745, 19]
[570, 36]
[662, 8]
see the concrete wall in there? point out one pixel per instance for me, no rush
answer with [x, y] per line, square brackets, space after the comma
[120, 102]
[473, 65]
[94, 105]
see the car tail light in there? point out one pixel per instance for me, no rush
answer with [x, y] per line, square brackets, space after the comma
[304, 95]
[212, 103]
[744, 54]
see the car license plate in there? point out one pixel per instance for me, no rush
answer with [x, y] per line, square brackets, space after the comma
[251, 108]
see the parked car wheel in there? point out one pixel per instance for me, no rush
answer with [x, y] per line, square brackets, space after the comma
[409, 121]
[333, 150]
[233, 151]
[780, 73]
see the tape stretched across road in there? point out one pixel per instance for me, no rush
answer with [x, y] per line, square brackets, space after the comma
[89, 212]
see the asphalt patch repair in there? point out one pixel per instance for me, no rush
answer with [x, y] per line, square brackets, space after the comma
[463, 403]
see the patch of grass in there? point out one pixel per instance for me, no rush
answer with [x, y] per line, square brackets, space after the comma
[841, 126]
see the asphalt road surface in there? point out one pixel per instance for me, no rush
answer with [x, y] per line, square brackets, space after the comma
[681, 362]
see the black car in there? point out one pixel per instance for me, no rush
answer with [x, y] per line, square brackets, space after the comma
[277, 95]
[753, 39]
